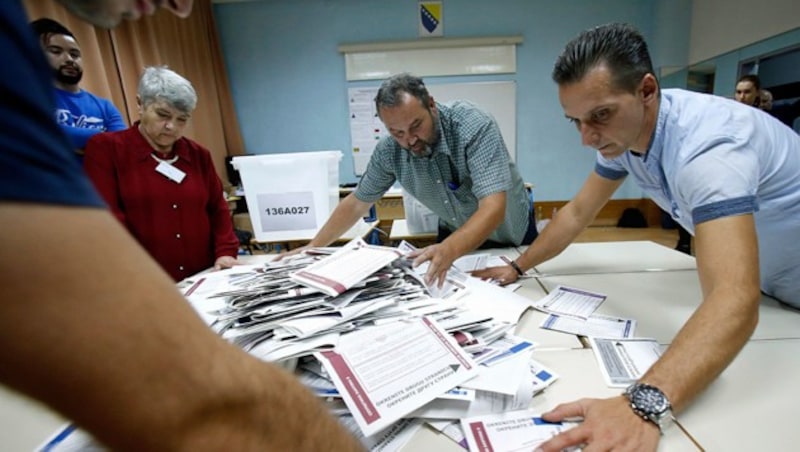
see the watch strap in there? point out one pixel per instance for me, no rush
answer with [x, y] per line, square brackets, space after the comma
[516, 268]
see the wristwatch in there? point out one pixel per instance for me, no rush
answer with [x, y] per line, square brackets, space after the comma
[651, 404]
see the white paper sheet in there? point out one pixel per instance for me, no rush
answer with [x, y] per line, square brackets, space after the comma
[594, 326]
[384, 373]
[570, 301]
[623, 361]
[513, 431]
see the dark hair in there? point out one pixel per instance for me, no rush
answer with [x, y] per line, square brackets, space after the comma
[45, 27]
[619, 46]
[401, 83]
[752, 78]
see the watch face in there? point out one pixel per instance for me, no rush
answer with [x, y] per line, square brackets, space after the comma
[649, 399]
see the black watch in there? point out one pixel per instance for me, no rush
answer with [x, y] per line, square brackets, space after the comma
[651, 404]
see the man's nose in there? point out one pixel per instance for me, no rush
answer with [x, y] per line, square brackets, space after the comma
[589, 136]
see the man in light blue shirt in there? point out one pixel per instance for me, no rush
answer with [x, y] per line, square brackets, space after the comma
[725, 171]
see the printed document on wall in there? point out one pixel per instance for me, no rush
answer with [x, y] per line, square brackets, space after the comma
[366, 129]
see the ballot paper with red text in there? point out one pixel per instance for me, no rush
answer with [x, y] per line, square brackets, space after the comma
[385, 372]
[346, 267]
[510, 431]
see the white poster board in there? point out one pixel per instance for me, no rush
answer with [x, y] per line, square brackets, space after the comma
[497, 98]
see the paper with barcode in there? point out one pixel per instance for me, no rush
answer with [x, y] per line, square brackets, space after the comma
[624, 361]
[570, 301]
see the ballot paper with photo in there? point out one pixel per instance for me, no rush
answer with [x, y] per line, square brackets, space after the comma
[385, 372]
[512, 431]
[570, 301]
[624, 361]
[595, 325]
[345, 268]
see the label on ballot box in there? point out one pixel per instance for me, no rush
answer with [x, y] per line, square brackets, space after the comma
[291, 195]
[286, 211]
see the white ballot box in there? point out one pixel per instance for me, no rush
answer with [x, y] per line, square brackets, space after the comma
[289, 196]
[419, 218]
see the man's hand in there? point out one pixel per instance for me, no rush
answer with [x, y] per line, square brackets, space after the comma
[608, 424]
[441, 257]
[225, 262]
[504, 274]
[293, 252]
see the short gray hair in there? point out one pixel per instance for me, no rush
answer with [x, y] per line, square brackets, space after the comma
[160, 83]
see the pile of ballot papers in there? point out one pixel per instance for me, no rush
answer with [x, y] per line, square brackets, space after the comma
[387, 352]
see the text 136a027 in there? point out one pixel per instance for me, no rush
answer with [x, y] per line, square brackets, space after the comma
[296, 210]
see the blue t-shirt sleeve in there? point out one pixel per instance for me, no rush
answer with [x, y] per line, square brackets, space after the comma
[112, 121]
[113, 118]
[36, 160]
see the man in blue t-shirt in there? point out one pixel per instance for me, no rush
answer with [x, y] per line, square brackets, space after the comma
[80, 113]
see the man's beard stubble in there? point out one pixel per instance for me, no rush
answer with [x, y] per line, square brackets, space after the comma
[68, 79]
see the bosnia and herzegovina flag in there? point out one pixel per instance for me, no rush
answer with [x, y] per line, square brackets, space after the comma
[430, 19]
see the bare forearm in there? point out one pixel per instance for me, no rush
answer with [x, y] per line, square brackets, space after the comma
[112, 345]
[558, 234]
[727, 264]
[704, 347]
[570, 221]
[347, 213]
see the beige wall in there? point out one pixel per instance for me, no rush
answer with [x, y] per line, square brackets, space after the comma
[719, 26]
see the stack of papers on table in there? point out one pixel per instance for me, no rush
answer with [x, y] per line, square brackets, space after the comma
[363, 331]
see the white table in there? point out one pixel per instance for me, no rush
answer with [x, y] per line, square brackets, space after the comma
[615, 257]
[661, 302]
[752, 406]
[25, 424]
[579, 376]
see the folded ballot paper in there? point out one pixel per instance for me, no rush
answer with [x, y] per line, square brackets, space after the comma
[346, 267]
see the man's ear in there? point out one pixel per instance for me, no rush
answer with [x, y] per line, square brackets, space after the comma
[649, 88]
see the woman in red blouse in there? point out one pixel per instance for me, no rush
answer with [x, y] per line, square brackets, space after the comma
[162, 186]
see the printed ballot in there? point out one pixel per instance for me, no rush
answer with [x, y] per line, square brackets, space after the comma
[346, 267]
[385, 372]
[570, 301]
[594, 326]
[511, 431]
[623, 361]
